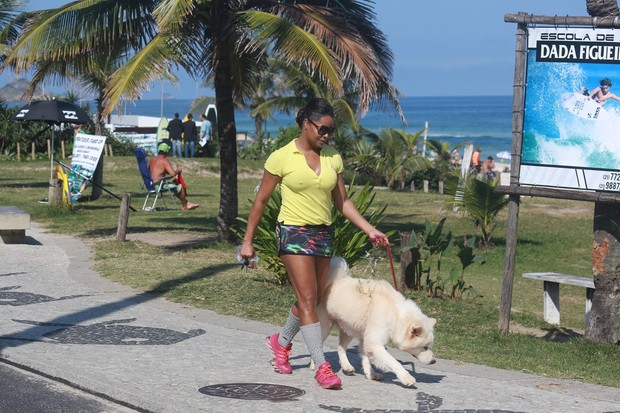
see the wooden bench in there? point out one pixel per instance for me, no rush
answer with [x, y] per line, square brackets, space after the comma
[13, 224]
[551, 287]
[551, 294]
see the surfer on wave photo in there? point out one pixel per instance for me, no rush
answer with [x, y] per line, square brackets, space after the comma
[589, 105]
[602, 94]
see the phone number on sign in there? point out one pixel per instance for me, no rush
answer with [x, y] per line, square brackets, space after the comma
[612, 182]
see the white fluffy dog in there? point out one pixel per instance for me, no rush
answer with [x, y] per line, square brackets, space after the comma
[376, 314]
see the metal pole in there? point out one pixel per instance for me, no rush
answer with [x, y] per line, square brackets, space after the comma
[424, 145]
[161, 109]
[52, 156]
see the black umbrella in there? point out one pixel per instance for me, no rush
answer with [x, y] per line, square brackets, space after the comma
[53, 112]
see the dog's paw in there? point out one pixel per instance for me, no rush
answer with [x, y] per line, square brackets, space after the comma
[349, 370]
[375, 376]
[407, 380]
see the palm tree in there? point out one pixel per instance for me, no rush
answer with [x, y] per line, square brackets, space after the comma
[224, 40]
[393, 156]
[230, 40]
[291, 87]
[442, 158]
[602, 8]
[480, 201]
[63, 44]
[10, 23]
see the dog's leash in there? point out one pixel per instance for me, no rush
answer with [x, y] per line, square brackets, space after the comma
[381, 243]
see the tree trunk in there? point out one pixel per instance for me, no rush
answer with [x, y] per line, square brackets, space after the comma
[602, 8]
[407, 265]
[604, 323]
[98, 174]
[258, 124]
[227, 134]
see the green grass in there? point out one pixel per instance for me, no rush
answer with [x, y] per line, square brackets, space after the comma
[554, 235]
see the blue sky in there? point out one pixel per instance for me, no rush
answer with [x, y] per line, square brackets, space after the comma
[441, 48]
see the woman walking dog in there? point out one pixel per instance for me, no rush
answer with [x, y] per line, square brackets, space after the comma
[309, 173]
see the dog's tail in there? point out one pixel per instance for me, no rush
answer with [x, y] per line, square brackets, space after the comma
[338, 268]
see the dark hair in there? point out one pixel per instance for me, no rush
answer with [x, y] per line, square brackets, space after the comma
[176, 115]
[315, 109]
[605, 82]
[190, 116]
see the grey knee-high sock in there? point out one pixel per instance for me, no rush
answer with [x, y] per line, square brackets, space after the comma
[312, 337]
[290, 329]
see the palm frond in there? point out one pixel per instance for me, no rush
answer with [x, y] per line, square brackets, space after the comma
[291, 43]
[80, 27]
[146, 66]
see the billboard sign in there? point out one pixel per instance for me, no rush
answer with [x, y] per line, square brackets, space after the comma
[571, 123]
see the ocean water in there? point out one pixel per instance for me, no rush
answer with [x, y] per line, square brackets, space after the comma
[485, 121]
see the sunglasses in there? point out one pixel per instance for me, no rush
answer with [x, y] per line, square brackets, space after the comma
[323, 130]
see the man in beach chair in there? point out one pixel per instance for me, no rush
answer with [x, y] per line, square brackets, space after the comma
[167, 178]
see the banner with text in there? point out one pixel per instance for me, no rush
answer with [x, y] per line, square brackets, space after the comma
[572, 117]
[87, 150]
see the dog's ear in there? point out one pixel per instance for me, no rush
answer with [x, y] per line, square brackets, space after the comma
[416, 332]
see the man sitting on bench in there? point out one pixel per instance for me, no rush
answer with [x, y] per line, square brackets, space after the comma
[160, 166]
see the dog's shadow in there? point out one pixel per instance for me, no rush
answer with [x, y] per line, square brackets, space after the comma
[388, 376]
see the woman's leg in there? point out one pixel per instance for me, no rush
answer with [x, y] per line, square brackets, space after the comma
[280, 344]
[308, 275]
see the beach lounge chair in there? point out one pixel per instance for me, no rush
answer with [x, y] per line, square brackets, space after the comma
[151, 188]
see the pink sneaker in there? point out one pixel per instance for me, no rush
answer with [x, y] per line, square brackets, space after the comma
[327, 378]
[280, 355]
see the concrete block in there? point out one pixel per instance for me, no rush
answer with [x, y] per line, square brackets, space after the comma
[13, 224]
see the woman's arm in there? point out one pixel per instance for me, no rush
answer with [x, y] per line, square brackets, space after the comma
[268, 184]
[349, 210]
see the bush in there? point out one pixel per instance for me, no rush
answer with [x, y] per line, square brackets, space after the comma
[428, 248]
[13, 132]
[480, 200]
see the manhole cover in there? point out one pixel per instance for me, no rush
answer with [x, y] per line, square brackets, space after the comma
[253, 391]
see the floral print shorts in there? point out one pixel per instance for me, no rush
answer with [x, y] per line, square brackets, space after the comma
[315, 240]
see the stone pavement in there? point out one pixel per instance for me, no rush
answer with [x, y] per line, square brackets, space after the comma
[61, 319]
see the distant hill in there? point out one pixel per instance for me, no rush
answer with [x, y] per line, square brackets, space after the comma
[13, 91]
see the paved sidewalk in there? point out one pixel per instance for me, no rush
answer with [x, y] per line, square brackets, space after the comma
[62, 319]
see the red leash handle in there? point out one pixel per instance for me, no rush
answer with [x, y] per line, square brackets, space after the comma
[381, 243]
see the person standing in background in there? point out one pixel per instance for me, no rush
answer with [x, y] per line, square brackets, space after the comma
[488, 168]
[189, 136]
[175, 129]
[475, 161]
[205, 134]
[456, 158]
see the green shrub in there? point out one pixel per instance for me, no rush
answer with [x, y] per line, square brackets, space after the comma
[428, 248]
[479, 200]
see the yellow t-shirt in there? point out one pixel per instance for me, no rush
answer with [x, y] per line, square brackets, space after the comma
[306, 196]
